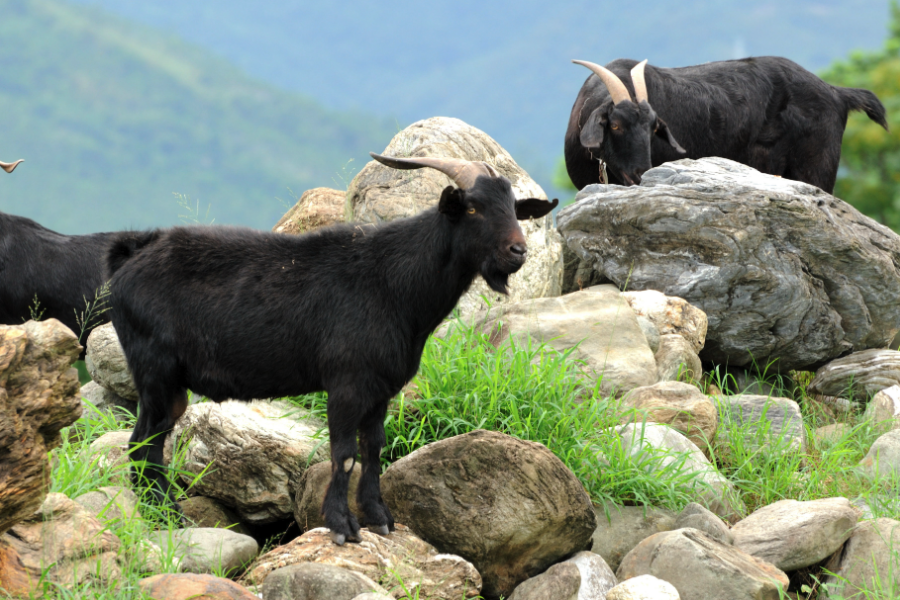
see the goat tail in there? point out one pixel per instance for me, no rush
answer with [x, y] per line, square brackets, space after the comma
[864, 100]
[125, 246]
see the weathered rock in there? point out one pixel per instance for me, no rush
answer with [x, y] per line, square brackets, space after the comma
[701, 568]
[884, 409]
[209, 512]
[680, 405]
[315, 581]
[380, 558]
[621, 528]
[206, 549]
[105, 361]
[379, 193]
[190, 586]
[103, 399]
[761, 421]
[699, 517]
[112, 448]
[596, 576]
[596, 322]
[311, 490]
[509, 506]
[644, 587]
[61, 543]
[373, 596]
[782, 270]
[883, 458]
[658, 446]
[829, 434]
[858, 375]
[870, 561]
[670, 315]
[676, 360]
[792, 535]
[38, 397]
[112, 503]
[258, 451]
[318, 207]
[559, 581]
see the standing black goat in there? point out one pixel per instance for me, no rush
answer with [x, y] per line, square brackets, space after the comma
[236, 313]
[768, 113]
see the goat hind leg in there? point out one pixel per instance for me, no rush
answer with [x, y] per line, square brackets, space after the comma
[155, 421]
[375, 513]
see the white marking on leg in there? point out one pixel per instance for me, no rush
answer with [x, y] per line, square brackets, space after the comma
[348, 464]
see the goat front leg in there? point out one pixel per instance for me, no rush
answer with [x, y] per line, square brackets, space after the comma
[375, 513]
[343, 422]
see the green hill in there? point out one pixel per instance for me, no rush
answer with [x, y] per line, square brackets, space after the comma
[113, 118]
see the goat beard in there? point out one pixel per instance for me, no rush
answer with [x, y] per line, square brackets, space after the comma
[496, 278]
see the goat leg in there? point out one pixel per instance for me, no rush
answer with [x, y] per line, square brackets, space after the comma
[343, 421]
[375, 513]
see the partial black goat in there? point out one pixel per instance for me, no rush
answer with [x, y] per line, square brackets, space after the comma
[236, 313]
[768, 113]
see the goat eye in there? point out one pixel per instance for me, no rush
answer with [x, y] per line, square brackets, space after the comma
[614, 126]
[471, 211]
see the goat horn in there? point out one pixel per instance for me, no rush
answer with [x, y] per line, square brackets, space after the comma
[617, 90]
[9, 167]
[462, 172]
[640, 84]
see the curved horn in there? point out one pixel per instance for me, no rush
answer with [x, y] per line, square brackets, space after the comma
[462, 172]
[640, 84]
[9, 167]
[617, 90]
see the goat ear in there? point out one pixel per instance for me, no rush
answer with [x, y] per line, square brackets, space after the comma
[662, 130]
[534, 208]
[452, 202]
[592, 130]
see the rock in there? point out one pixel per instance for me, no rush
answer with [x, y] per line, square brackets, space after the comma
[621, 528]
[318, 207]
[596, 322]
[105, 361]
[676, 360]
[883, 458]
[792, 535]
[38, 397]
[206, 549]
[782, 270]
[679, 405]
[112, 503]
[311, 494]
[885, 408]
[189, 586]
[209, 512]
[698, 517]
[60, 543]
[701, 568]
[373, 596]
[858, 375]
[830, 434]
[510, 507]
[650, 331]
[379, 193]
[596, 576]
[113, 449]
[658, 446]
[559, 581]
[870, 561]
[258, 450]
[103, 399]
[760, 421]
[380, 558]
[644, 587]
[315, 581]
[670, 315]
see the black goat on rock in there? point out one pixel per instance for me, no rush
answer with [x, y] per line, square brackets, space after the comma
[236, 313]
[768, 113]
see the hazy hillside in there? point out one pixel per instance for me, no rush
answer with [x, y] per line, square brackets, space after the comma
[112, 118]
[501, 66]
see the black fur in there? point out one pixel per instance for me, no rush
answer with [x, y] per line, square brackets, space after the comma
[767, 112]
[236, 313]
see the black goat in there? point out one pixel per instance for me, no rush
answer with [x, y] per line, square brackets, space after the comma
[236, 313]
[768, 113]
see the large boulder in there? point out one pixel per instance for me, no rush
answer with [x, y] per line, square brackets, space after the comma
[105, 361]
[858, 375]
[379, 193]
[775, 424]
[206, 549]
[783, 270]
[509, 506]
[870, 561]
[318, 207]
[38, 397]
[311, 581]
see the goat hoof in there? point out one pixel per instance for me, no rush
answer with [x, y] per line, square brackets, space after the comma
[379, 529]
[338, 538]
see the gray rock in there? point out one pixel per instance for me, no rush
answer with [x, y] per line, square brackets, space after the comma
[670, 315]
[884, 409]
[699, 517]
[701, 568]
[883, 458]
[870, 561]
[508, 506]
[596, 576]
[830, 434]
[113, 450]
[311, 490]
[676, 360]
[559, 581]
[761, 421]
[103, 399]
[858, 375]
[373, 596]
[314, 581]
[206, 549]
[209, 512]
[111, 503]
[792, 535]
[650, 331]
[782, 270]
[105, 361]
[379, 193]
[621, 528]
[680, 405]
[644, 587]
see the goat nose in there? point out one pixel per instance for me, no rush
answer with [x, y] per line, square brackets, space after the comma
[518, 249]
